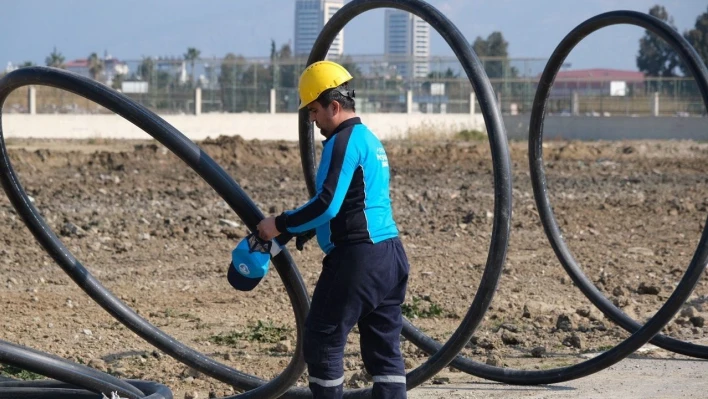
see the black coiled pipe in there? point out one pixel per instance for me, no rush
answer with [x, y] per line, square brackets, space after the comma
[63, 370]
[43, 389]
[641, 334]
[538, 175]
[499, 243]
[210, 171]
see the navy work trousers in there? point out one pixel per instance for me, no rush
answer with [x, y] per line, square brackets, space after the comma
[364, 285]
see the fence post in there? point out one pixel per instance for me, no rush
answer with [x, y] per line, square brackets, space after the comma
[655, 104]
[198, 101]
[272, 101]
[32, 100]
[575, 104]
[409, 101]
[473, 100]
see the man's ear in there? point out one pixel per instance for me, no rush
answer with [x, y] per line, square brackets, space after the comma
[336, 107]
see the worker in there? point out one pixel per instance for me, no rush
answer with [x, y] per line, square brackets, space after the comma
[365, 269]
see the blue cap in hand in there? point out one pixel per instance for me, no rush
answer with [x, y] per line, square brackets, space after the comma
[250, 261]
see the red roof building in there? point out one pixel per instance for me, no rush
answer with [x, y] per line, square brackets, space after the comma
[111, 68]
[598, 74]
[594, 82]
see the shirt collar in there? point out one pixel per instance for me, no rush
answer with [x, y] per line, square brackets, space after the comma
[347, 123]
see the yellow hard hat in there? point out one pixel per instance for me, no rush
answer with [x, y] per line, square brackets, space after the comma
[319, 77]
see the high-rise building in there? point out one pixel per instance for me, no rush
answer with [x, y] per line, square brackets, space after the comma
[310, 17]
[407, 43]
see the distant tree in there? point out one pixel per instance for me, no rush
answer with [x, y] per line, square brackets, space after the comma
[256, 76]
[95, 66]
[166, 80]
[231, 69]
[282, 66]
[480, 46]
[146, 69]
[656, 57]
[191, 56]
[274, 66]
[698, 37]
[348, 63]
[229, 79]
[448, 74]
[453, 88]
[55, 59]
[27, 64]
[257, 82]
[147, 73]
[288, 69]
[282, 73]
[494, 46]
[494, 54]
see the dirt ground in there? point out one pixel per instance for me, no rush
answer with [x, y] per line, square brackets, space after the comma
[158, 237]
[638, 377]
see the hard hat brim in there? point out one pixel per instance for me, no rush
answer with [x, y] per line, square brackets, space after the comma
[319, 77]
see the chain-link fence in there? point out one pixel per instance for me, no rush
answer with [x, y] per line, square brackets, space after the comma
[385, 84]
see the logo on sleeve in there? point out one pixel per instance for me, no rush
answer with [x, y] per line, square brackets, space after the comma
[381, 156]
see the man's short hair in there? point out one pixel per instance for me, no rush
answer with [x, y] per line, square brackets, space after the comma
[340, 94]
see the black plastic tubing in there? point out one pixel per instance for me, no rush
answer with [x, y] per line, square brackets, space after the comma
[538, 175]
[48, 389]
[642, 334]
[63, 370]
[500, 158]
[210, 171]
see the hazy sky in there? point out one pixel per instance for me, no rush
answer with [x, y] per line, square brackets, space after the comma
[131, 29]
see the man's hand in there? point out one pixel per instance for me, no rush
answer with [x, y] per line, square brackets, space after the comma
[266, 229]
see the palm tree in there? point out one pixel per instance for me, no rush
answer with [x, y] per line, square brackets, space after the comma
[192, 55]
[95, 66]
[146, 69]
[55, 59]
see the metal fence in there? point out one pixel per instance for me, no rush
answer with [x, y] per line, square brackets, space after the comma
[382, 83]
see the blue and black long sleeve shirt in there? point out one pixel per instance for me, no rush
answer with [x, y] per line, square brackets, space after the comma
[352, 204]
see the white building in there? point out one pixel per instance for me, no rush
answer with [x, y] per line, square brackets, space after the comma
[310, 17]
[111, 68]
[407, 43]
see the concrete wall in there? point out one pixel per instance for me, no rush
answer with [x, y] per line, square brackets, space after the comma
[284, 126]
[249, 126]
[610, 128]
